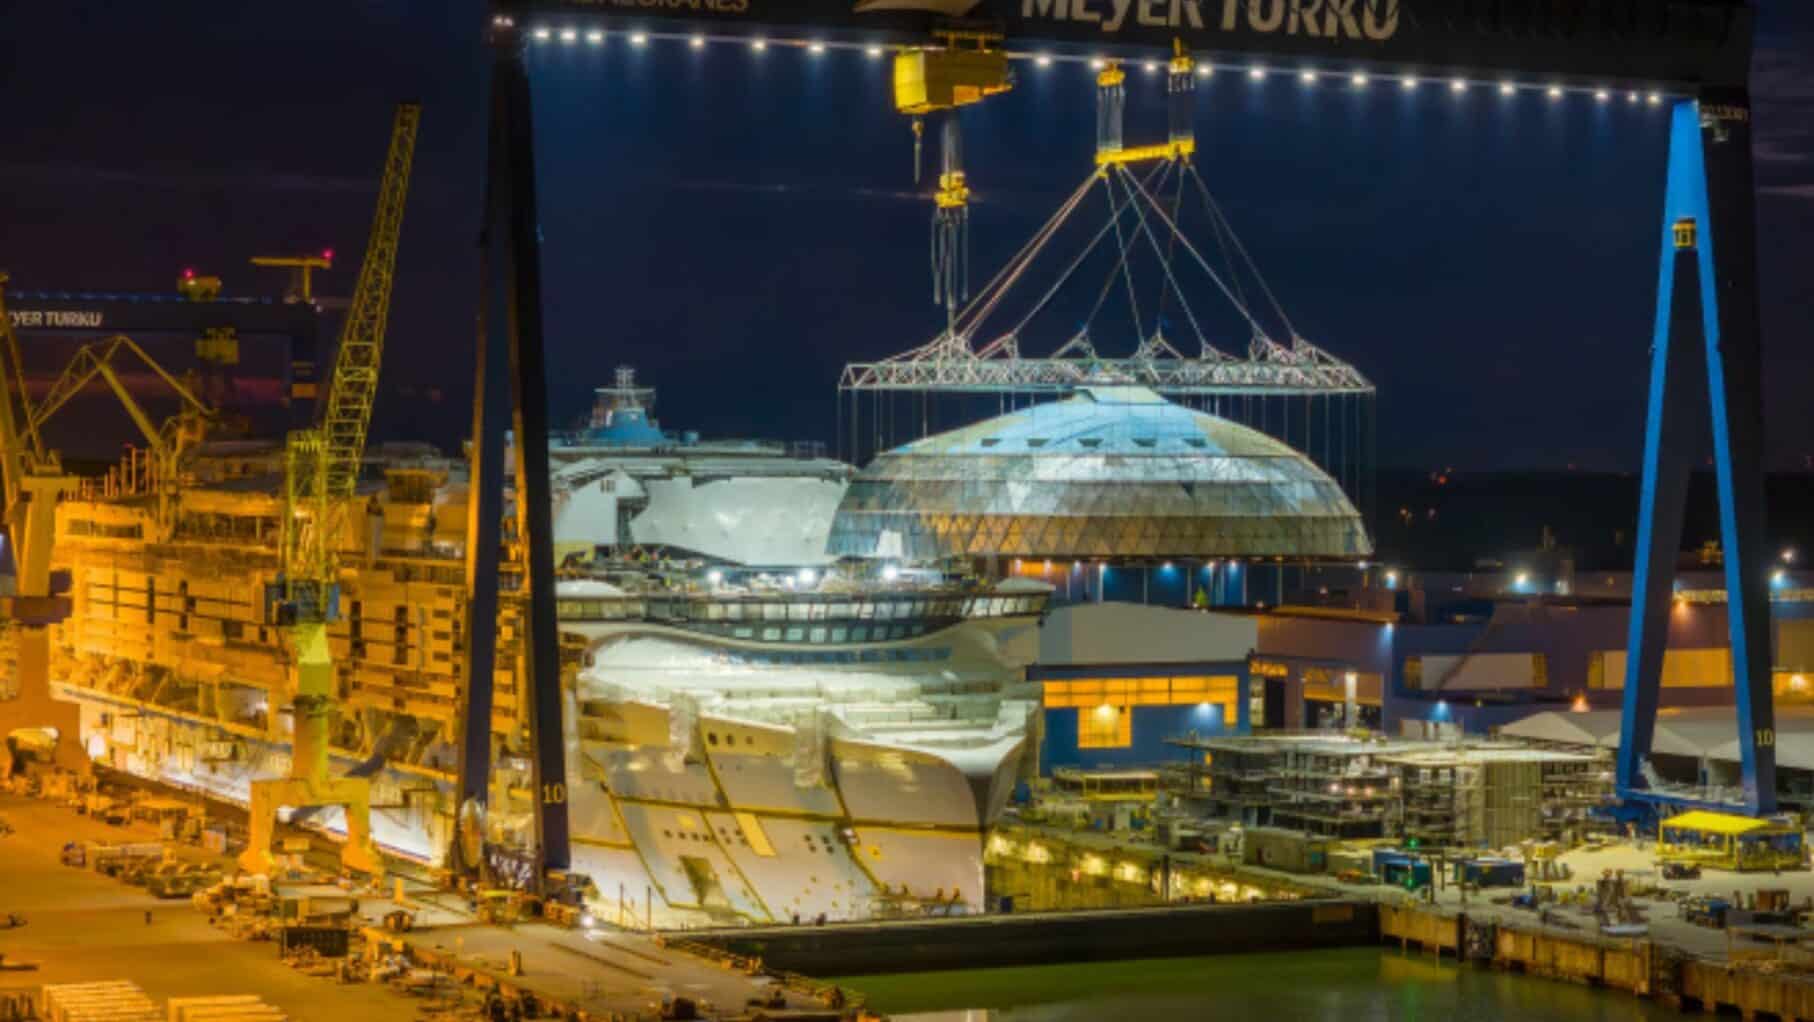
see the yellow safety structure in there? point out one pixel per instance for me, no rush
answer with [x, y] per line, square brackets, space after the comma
[320, 472]
[1727, 841]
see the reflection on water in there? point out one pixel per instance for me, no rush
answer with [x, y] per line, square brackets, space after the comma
[1312, 986]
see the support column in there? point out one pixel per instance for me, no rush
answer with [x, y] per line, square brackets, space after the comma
[512, 190]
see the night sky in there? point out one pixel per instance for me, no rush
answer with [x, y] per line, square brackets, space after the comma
[739, 226]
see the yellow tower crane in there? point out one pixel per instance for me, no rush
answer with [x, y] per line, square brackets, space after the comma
[321, 467]
[302, 268]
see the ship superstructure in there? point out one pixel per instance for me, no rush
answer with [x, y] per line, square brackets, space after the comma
[749, 737]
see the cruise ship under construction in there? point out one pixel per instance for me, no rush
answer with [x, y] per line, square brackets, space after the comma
[791, 689]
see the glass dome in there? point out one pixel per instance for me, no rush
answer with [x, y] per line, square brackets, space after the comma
[1111, 472]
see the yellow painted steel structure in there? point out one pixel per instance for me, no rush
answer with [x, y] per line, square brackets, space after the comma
[1728, 841]
[1178, 149]
[931, 79]
[302, 287]
[33, 481]
[320, 472]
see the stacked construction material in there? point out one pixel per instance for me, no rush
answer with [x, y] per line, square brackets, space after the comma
[230, 1008]
[114, 1001]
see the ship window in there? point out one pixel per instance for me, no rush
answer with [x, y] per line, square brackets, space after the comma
[859, 634]
[865, 611]
[840, 634]
[1091, 442]
[774, 612]
[771, 633]
[745, 632]
[1196, 441]
[841, 610]
[1146, 441]
[711, 737]
[797, 612]
[817, 635]
[1037, 441]
[991, 441]
[714, 612]
[796, 634]
[884, 611]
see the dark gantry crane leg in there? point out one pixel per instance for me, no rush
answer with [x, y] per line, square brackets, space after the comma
[511, 321]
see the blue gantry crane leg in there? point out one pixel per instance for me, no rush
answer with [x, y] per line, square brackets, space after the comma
[1707, 290]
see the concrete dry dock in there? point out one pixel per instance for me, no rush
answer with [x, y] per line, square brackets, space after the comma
[1047, 937]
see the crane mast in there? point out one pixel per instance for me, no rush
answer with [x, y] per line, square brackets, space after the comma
[321, 470]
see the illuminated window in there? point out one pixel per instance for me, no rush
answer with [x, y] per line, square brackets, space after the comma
[1104, 727]
[1682, 668]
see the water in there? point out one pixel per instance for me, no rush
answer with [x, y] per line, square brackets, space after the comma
[1348, 985]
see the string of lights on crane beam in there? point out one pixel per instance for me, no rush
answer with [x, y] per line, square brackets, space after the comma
[545, 35]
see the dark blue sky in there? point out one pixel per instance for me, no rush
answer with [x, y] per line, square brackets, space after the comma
[739, 227]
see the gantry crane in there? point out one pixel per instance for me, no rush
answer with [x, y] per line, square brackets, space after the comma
[33, 480]
[321, 467]
[157, 471]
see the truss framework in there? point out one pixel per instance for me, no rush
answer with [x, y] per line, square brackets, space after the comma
[953, 362]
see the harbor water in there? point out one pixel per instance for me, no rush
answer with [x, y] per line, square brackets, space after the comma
[1311, 986]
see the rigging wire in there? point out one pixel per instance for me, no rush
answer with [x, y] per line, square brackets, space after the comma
[1216, 211]
[1166, 266]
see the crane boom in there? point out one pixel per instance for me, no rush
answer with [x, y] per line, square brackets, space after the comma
[321, 470]
[347, 413]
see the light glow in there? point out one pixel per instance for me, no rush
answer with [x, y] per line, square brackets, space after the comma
[758, 45]
[1150, 66]
[697, 42]
[1359, 79]
[639, 39]
[815, 48]
[569, 35]
[1408, 81]
[1307, 77]
[1043, 60]
[872, 52]
[541, 34]
[1602, 95]
[1256, 73]
[595, 37]
[1457, 85]
[1655, 98]
[1507, 88]
[1204, 70]
[1555, 92]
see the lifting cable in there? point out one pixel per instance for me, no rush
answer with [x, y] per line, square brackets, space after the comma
[1166, 265]
[1121, 262]
[993, 292]
[1198, 256]
[1215, 211]
[1114, 214]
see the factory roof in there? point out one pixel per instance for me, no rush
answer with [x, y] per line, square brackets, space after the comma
[1108, 472]
[1700, 733]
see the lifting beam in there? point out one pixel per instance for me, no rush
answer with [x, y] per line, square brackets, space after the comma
[1706, 336]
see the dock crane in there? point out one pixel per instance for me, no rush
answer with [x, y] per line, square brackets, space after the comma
[321, 468]
[32, 480]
